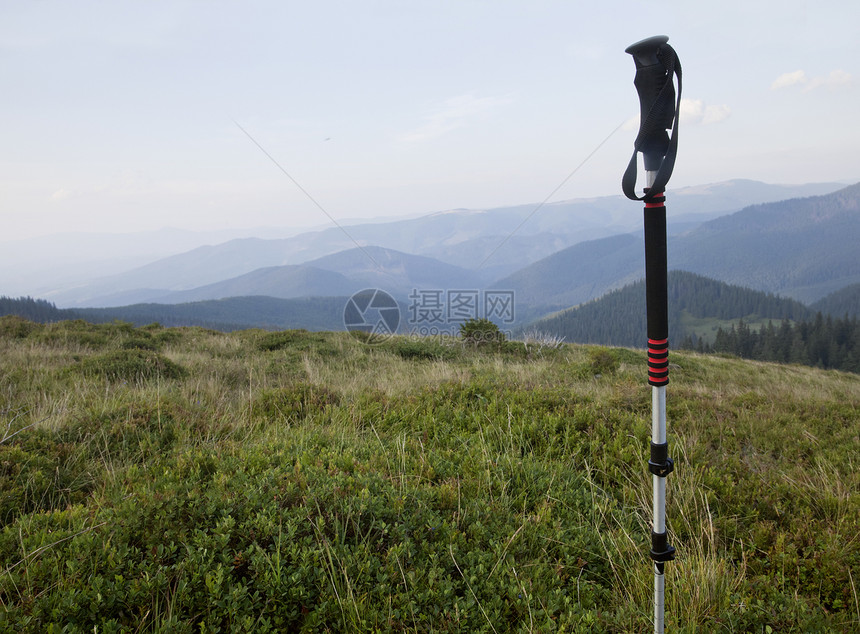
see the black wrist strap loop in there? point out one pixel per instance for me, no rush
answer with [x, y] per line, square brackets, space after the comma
[652, 125]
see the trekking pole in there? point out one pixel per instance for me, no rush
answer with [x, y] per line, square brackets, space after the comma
[656, 63]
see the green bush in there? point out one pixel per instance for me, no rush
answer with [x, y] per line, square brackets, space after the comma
[362, 336]
[292, 403]
[15, 327]
[602, 361]
[281, 339]
[298, 342]
[131, 365]
[38, 473]
[420, 349]
[140, 343]
[80, 332]
[481, 332]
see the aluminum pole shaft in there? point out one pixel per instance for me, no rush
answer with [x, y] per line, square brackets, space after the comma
[658, 437]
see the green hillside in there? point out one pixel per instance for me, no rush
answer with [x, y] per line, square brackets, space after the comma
[187, 480]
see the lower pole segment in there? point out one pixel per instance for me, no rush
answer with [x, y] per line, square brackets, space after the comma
[659, 598]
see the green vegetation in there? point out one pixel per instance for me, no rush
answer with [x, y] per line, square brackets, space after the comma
[481, 332]
[310, 482]
[602, 361]
[702, 331]
[130, 364]
[824, 343]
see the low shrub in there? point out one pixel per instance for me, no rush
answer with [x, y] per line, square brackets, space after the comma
[481, 332]
[602, 361]
[421, 349]
[131, 365]
[40, 472]
[292, 403]
[140, 343]
[15, 327]
[281, 339]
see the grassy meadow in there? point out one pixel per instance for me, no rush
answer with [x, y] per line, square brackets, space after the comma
[186, 480]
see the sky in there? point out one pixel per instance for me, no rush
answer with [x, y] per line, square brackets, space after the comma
[128, 116]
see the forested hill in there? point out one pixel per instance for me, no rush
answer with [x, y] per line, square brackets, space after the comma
[843, 302]
[619, 318]
[38, 310]
[820, 342]
[232, 313]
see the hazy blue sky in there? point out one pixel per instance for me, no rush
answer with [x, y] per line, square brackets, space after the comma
[119, 115]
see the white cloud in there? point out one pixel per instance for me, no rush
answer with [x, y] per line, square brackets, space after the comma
[834, 79]
[789, 79]
[695, 112]
[692, 110]
[715, 114]
[453, 114]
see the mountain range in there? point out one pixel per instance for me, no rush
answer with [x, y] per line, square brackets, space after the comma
[698, 306]
[801, 248]
[478, 247]
[804, 248]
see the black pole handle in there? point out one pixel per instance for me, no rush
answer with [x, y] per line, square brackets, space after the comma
[656, 99]
[656, 64]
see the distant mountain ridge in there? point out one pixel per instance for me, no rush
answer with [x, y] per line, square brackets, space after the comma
[397, 272]
[232, 313]
[491, 243]
[339, 275]
[803, 248]
[281, 282]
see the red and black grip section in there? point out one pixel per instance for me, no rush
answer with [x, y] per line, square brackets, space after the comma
[656, 290]
[658, 361]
